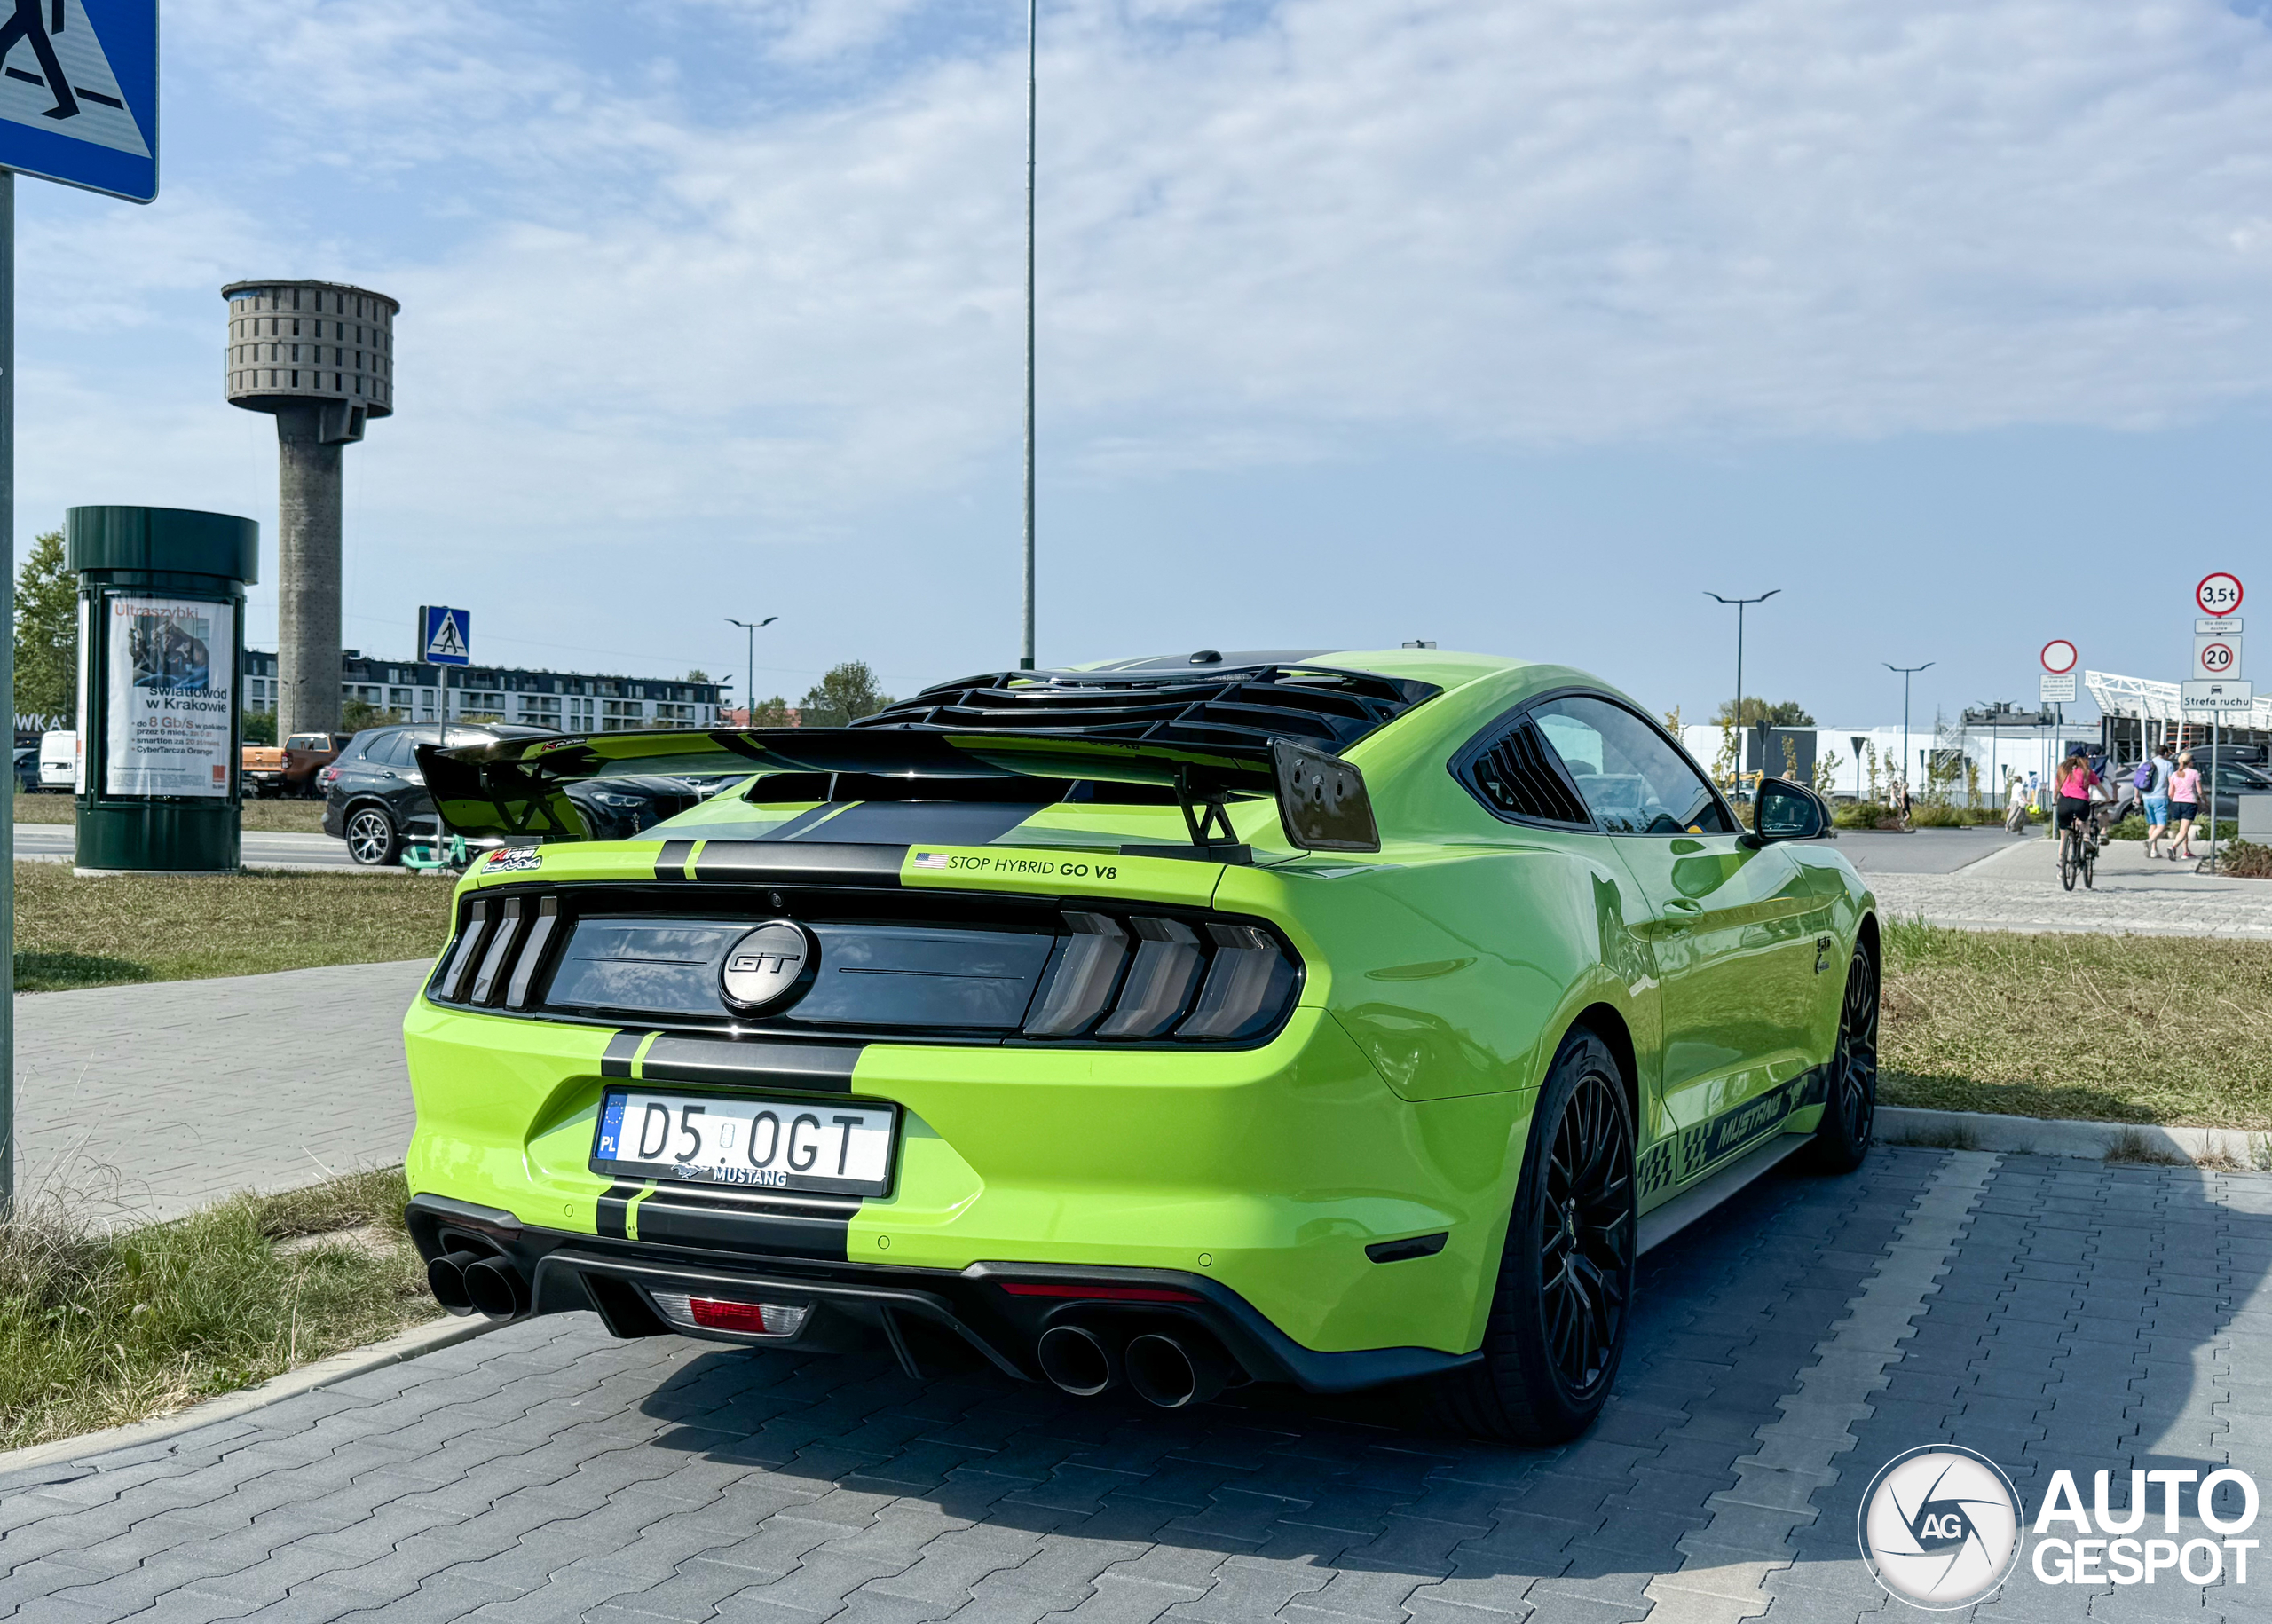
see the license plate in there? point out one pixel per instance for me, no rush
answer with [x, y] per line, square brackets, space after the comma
[759, 1143]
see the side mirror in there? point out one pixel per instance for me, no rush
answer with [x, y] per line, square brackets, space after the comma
[1787, 811]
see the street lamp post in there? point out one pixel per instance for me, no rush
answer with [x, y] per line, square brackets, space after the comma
[1741, 605]
[1906, 672]
[1033, 91]
[749, 671]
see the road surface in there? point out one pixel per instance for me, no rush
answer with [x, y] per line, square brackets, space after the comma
[52, 843]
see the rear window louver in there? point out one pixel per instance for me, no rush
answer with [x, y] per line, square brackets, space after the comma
[1517, 776]
[1325, 708]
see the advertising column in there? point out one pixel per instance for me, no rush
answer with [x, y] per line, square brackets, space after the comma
[162, 642]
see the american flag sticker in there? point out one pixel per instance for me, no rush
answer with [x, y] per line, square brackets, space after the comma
[930, 860]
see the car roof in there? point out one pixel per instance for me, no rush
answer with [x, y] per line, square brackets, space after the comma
[1446, 668]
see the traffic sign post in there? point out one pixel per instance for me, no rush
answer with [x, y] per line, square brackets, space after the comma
[2216, 685]
[78, 105]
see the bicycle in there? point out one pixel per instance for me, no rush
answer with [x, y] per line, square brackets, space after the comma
[2079, 845]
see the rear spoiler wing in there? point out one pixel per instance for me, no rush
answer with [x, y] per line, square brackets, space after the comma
[516, 788]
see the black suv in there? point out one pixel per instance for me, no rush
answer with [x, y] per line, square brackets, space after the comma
[376, 797]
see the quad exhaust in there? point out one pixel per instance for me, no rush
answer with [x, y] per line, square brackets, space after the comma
[1077, 1361]
[472, 1282]
[1172, 1373]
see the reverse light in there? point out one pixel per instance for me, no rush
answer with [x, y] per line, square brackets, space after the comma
[711, 1313]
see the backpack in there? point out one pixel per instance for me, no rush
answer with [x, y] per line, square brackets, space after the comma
[2143, 778]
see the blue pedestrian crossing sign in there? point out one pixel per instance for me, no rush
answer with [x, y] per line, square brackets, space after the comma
[444, 636]
[79, 93]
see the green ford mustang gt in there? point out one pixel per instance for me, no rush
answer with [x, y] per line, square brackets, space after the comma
[1331, 1019]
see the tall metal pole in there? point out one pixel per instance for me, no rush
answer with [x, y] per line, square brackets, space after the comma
[1906, 672]
[8, 687]
[1033, 91]
[1740, 605]
[749, 677]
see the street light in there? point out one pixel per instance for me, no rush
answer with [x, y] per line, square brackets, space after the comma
[1033, 91]
[749, 672]
[1906, 672]
[1741, 605]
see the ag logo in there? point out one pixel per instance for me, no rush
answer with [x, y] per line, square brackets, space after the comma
[1940, 1526]
[769, 967]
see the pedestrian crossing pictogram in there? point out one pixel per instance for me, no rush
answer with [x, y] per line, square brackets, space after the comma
[79, 92]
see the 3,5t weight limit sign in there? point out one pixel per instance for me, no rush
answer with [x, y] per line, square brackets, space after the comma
[2219, 593]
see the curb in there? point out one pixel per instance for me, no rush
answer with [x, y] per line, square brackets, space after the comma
[308, 1379]
[2099, 1141]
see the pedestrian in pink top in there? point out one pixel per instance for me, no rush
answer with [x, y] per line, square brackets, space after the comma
[2184, 807]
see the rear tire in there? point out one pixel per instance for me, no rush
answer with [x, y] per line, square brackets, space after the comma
[1565, 1289]
[1850, 1111]
[371, 839]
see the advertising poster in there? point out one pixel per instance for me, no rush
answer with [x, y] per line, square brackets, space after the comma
[171, 697]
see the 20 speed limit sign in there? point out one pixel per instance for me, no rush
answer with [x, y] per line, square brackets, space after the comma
[2218, 594]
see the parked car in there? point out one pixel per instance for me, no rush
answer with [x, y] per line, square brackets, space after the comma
[290, 767]
[1337, 1019]
[59, 759]
[28, 769]
[374, 797]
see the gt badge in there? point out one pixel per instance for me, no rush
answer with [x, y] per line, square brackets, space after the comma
[768, 967]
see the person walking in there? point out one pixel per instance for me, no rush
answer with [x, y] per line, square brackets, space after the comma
[2016, 803]
[2157, 798]
[2184, 807]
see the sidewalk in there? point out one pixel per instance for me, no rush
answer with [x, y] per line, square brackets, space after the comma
[160, 1098]
[2017, 888]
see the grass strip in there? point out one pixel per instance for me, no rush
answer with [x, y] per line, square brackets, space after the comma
[99, 1330]
[130, 927]
[2174, 1031]
[278, 816]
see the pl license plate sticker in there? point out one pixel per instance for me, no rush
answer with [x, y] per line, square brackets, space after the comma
[756, 1144]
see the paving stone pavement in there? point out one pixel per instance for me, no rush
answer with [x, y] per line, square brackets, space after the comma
[2017, 888]
[146, 1101]
[2090, 1317]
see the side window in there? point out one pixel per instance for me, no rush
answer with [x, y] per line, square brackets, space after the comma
[393, 752]
[1631, 777]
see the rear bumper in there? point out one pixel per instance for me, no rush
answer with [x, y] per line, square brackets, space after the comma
[905, 1311]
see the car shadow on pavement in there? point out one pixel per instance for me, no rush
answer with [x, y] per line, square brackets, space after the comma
[1346, 1499]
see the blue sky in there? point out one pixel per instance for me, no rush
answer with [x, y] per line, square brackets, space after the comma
[1515, 327]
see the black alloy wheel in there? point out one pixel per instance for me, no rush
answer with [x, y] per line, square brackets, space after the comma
[371, 839]
[1564, 1290]
[1850, 1110]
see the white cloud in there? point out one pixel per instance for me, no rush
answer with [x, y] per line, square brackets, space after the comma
[1565, 222]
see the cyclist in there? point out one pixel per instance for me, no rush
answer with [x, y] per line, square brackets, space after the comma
[2076, 781]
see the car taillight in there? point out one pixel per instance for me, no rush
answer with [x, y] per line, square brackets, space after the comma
[1233, 982]
[711, 1313]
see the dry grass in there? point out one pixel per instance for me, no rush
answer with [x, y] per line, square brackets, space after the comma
[2165, 1030]
[99, 1330]
[92, 932]
[268, 817]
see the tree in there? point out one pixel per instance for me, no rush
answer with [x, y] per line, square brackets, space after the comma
[259, 728]
[844, 694]
[47, 635]
[698, 675]
[774, 713]
[358, 714]
[1782, 713]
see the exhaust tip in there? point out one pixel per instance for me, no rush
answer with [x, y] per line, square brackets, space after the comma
[445, 1279]
[1172, 1374]
[1075, 1361]
[495, 1288]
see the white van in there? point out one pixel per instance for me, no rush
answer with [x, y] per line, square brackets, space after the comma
[58, 760]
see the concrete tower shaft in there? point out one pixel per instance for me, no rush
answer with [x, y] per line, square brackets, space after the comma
[318, 357]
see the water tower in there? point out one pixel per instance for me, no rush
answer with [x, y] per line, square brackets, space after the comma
[320, 358]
